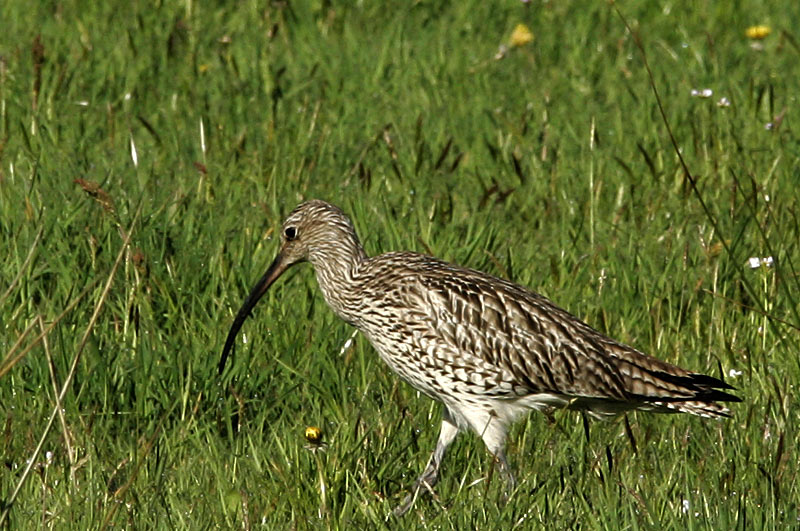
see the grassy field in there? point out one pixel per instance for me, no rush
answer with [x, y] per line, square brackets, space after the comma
[149, 150]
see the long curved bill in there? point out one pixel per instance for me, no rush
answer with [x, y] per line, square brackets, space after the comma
[279, 265]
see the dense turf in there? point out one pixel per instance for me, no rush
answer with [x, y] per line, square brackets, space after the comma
[191, 130]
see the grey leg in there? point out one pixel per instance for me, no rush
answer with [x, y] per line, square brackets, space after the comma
[502, 465]
[430, 475]
[494, 436]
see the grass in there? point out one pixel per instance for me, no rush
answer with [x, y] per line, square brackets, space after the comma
[190, 130]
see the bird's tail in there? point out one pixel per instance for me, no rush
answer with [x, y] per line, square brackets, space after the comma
[701, 395]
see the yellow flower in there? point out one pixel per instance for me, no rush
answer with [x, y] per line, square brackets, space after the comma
[314, 438]
[757, 33]
[313, 434]
[521, 36]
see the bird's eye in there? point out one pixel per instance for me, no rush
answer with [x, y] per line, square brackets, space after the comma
[290, 233]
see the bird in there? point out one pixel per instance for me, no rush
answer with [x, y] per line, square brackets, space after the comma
[489, 350]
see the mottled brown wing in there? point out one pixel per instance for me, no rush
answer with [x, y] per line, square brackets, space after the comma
[543, 347]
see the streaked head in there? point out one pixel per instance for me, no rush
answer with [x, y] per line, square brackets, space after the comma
[312, 230]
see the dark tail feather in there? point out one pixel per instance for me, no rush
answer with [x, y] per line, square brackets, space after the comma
[702, 394]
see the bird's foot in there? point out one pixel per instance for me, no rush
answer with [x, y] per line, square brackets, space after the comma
[420, 487]
[407, 503]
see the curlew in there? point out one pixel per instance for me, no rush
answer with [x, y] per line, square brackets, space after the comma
[487, 349]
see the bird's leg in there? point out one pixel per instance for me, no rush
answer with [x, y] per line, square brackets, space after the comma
[430, 475]
[502, 465]
[494, 436]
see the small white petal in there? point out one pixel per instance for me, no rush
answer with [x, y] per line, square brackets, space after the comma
[348, 343]
[702, 93]
[202, 137]
[134, 156]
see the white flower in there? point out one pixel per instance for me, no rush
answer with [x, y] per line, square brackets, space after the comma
[702, 93]
[755, 262]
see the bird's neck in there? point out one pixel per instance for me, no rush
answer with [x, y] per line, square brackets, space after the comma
[337, 269]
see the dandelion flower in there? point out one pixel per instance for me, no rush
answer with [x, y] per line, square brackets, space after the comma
[757, 33]
[313, 434]
[314, 437]
[520, 36]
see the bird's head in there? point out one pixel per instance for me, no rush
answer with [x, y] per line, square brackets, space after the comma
[315, 231]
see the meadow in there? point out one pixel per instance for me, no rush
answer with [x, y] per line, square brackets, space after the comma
[150, 150]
